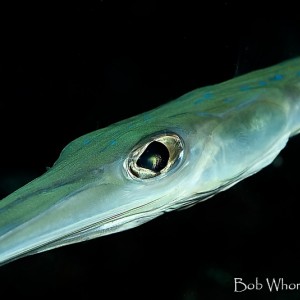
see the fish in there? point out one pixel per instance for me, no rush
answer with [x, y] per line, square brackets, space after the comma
[171, 157]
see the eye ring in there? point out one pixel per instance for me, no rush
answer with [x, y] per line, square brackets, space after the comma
[154, 156]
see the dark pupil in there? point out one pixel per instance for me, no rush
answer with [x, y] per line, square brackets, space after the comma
[155, 157]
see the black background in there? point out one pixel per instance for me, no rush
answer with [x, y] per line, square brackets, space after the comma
[69, 70]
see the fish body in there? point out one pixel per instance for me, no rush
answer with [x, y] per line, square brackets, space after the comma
[171, 157]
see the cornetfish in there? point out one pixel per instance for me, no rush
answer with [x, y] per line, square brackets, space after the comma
[171, 157]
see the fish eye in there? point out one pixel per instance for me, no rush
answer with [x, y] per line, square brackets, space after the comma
[154, 156]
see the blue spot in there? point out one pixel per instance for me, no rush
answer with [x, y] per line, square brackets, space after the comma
[146, 116]
[262, 83]
[245, 88]
[227, 100]
[199, 100]
[86, 142]
[205, 96]
[276, 77]
[113, 142]
[130, 125]
[208, 95]
[298, 73]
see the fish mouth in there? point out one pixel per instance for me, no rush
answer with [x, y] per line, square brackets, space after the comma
[50, 212]
[44, 211]
[111, 222]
